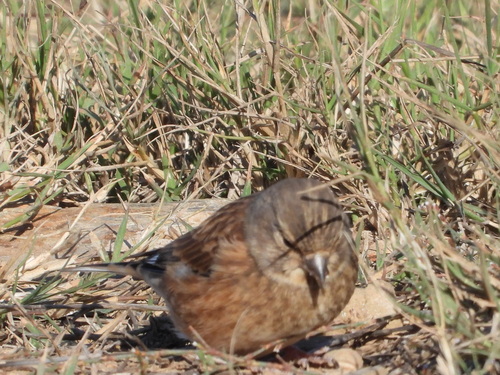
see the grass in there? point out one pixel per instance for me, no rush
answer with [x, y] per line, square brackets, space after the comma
[396, 102]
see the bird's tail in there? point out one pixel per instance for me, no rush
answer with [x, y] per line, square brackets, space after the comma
[123, 268]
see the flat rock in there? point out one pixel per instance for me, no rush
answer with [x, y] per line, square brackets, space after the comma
[59, 233]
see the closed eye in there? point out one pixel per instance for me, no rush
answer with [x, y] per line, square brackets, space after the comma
[291, 245]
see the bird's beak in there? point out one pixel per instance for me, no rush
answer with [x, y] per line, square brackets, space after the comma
[316, 266]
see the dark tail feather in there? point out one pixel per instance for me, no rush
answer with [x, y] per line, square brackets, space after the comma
[150, 273]
[123, 268]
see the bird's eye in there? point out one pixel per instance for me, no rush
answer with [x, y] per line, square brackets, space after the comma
[288, 243]
[280, 238]
[292, 246]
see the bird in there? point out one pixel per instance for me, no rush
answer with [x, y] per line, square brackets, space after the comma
[269, 267]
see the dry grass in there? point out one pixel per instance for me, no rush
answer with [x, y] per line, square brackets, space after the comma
[394, 102]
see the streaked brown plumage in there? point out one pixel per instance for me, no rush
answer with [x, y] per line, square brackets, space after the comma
[275, 265]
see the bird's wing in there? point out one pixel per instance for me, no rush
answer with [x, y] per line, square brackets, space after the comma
[198, 249]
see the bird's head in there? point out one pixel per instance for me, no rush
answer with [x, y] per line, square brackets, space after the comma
[294, 229]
